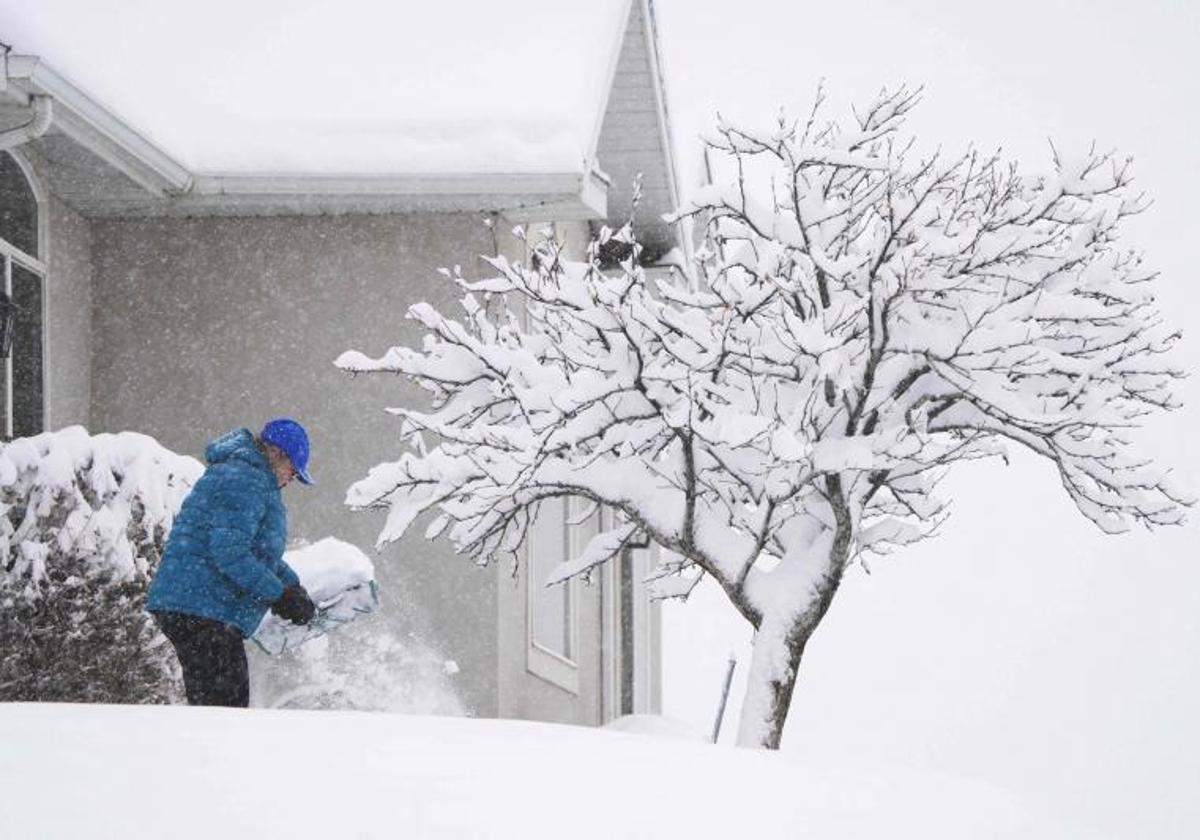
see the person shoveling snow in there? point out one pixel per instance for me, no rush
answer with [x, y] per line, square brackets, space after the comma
[223, 566]
[339, 578]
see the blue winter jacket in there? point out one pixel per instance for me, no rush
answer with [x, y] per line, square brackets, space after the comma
[224, 557]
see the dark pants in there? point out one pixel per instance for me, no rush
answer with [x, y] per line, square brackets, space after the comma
[213, 657]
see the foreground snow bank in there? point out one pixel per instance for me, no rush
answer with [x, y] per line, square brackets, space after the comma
[657, 726]
[142, 772]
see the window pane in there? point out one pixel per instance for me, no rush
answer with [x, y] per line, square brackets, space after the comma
[27, 353]
[4, 399]
[3, 374]
[628, 630]
[18, 207]
[551, 619]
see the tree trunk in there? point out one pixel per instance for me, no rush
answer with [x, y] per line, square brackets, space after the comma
[784, 632]
[778, 648]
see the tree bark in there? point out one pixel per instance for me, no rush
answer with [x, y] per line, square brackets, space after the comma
[783, 634]
[778, 648]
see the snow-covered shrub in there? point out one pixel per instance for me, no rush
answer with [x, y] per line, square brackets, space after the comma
[856, 322]
[83, 523]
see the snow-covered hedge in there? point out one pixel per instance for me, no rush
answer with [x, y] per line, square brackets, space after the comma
[83, 523]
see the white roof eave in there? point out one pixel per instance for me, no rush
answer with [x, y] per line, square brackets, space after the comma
[97, 129]
[520, 196]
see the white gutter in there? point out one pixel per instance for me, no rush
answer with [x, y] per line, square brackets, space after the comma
[560, 195]
[222, 183]
[43, 113]
[97, 129]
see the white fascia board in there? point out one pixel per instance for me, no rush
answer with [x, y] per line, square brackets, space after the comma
[610, 76]
[589, 202]
[563, 195]
[664, 117]
[660, 94]
[501, 183]
[594, 193]
[99, 130]
[536, 197]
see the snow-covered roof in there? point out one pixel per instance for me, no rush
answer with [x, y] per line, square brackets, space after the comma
[334, 105]
[340, 86]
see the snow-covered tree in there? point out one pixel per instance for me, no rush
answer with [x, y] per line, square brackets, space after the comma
[857, 320]
[83, 523]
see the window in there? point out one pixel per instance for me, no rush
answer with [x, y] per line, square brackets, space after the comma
[23, 381]
[638, 632]
[551, 614]
[560, 532]
[630, 633]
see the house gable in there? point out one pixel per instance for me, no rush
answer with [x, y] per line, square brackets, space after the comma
[635, 136]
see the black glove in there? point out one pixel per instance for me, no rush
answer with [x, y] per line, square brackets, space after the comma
[294, 605]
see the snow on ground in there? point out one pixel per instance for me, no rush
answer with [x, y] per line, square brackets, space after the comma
[658, 726]
[145, 771]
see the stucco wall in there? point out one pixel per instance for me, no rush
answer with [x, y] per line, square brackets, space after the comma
[68, 241]
[65, 246]
[202, 325]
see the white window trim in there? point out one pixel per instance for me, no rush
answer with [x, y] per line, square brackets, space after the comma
[610, 633]
[643, 561]
[10, 254]
[540, 661]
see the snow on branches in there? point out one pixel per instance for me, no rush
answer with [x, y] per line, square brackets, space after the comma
[855, 321]
[107, 500]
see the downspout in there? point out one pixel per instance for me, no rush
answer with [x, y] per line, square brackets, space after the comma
[43, 113]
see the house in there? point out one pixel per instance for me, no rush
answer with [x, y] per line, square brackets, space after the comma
[198, 214]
